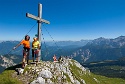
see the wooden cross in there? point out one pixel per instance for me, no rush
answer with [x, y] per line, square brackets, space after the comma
[39, 20]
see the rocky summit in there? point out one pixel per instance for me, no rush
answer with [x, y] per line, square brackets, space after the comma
[51, 73]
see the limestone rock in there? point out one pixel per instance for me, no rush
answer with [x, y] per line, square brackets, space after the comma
[39, 80]
[45, 74]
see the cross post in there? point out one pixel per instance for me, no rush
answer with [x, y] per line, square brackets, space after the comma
[39, 20]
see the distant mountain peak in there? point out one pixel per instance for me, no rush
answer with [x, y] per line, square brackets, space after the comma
[122, 37]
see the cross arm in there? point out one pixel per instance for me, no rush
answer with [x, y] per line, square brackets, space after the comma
[37, 18]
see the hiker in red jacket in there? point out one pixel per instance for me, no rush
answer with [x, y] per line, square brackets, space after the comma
[54, 58]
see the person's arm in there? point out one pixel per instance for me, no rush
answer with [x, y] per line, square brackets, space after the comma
[32, 44]
[38, 45]
[18, 45]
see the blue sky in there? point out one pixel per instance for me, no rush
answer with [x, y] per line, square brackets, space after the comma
[69, 19]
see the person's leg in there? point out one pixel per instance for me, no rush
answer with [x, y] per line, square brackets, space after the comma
[28, 56]
[37, 56]
[33, 55]
[24, 57]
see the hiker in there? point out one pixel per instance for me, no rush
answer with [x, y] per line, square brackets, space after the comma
[35, 48]
[54, 58]
[60, 59]
[26, 49]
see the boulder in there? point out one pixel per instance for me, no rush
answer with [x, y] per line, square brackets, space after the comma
[45, 74]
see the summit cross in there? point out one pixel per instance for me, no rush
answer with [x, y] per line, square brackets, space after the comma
[39, 20]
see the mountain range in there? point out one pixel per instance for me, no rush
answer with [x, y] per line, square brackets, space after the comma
[101, 49]
[83, 51]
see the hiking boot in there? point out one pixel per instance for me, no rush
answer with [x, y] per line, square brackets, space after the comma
[23, 65]
[27, 62]
[36, 63]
